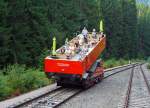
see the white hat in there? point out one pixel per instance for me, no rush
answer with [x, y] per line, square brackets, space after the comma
[94, 30]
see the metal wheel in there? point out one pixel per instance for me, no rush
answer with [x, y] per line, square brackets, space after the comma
[87, 83]
[101, 77]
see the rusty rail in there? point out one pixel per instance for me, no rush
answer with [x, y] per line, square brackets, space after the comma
[126, 104]
[145, 79]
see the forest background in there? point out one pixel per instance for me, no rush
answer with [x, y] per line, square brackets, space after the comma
[27, 27]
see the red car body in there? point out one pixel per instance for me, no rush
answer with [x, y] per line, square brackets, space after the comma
[67, 66]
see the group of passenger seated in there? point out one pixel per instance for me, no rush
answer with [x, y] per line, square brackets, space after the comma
[79, 44]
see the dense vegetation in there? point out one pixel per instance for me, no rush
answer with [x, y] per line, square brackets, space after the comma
[27, 27]
[113, 62]
[18, 79]
[144, 29]
[148, 61]
[148, 66]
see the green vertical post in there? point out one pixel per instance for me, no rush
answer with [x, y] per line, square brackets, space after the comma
[101, 28]
[54, 46]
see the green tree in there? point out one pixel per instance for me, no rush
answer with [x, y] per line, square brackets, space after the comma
[130, 27]
[25, 29]
[144, 29]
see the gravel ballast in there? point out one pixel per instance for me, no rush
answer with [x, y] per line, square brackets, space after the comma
[139, 96]
[106, 94]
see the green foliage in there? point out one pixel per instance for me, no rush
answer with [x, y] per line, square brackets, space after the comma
[5, 89]
[109, 63]
[148, 60]
[148, 66]
[123, 62]
[44, 54]
[18, 79]
[114, 62]
[27, 26]
[24, 32]
[120, 20]
[144, 29]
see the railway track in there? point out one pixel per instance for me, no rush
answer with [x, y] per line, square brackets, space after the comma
[138, 90]
[52, 100]
[60, 95]
[108, 74]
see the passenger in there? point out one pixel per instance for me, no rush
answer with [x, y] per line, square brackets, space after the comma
[68, 53]
[66, 41]
[72, 48]
[81, 39]
[94, 33]
[90, 37]
[85, 48]
[76, 43]
[77, 50]
[102, 34]
[85, 33]
[62, 50]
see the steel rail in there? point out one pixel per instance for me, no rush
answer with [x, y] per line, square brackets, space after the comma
[145, 79]
[28, 101]
[127, 98]
[134, 65]
[68, 98]
[55, 102]
[118, 67]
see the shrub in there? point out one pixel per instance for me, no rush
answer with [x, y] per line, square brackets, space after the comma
[41, 59]
[26, 79]
[19, 79]
[122, 62]
[148, 60]
[5, 89]
[109, 63]
[34, 79]
[113, 62]
[148, 66]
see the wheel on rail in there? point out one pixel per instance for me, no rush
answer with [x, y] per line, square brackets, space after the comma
[101, 76]
[97, 80]
[61, 84]
[87, 83]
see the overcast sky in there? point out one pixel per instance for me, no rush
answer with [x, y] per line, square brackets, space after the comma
[144, 1]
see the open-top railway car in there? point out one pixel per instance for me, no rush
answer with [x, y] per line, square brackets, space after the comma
[77, 62]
